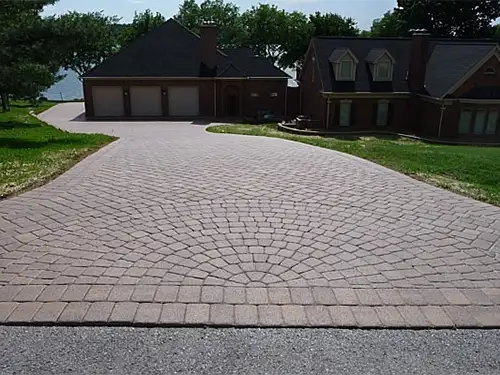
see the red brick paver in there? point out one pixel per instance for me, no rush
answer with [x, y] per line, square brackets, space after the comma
[171, 225]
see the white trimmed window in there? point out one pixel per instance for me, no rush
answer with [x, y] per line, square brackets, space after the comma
[383, 70]
[382, 113]
[346, 70]
[465, 120]
[491, 124]
[345, 113]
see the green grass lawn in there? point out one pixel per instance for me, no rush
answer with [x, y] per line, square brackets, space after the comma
[467, 170]
[32, 152]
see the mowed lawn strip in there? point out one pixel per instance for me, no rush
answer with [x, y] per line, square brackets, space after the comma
[473, 171]
[32, 152]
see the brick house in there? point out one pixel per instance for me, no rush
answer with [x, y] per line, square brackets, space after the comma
[174, 73]
[445, 88]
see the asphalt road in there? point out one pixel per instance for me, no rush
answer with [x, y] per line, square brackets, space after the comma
[104, 350]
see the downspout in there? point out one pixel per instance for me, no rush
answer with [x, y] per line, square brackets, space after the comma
[328, 103]
[215, 98]
[443, 107]
[286, 100]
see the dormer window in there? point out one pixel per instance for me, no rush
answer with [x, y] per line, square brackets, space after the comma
[381, 64]
[383, 69]
[344, 64]
[346, 67]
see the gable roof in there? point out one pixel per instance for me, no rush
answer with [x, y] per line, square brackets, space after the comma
[251, 64]
[376, 53]
[450, 62]
[171, 50]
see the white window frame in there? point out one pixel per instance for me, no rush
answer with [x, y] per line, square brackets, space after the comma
[491, 126]
[383, 60]
[347, 106]
[352, 72]
[471, 114]
[382, 120]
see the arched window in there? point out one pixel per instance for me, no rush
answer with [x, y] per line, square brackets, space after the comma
[490, 71]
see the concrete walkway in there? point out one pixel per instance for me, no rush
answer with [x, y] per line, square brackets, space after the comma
[173, 225]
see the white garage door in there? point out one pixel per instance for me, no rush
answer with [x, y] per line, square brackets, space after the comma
[108, 101]
[183, 101]
[145, 100]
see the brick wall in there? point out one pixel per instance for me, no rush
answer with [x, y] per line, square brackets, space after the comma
[313, 104]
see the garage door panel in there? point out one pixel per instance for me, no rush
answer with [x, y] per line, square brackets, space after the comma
[183, 101]
[108, 101]
[145, 101]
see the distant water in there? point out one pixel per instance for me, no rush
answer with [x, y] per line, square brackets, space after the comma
[69, 88]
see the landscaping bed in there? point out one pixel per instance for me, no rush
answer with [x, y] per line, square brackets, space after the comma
[473, 171]
[32, 152]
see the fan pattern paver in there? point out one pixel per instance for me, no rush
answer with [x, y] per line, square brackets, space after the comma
[173, 225]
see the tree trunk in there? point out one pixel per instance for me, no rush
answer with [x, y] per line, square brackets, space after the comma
[5, 102]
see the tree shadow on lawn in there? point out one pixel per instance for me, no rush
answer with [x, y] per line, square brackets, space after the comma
[16, 143]
[9, 125]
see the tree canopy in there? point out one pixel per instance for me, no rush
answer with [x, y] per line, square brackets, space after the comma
[28, 54]
[448, 18]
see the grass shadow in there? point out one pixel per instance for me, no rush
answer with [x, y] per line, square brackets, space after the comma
[15, 143]
[9, 125]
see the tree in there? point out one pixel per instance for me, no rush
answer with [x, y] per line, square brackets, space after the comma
[449, 18]
[142, 24]
[297, 37]
[29, 59]
[266, 30]
[89, 39]
[294, 45]
[332, 24]
[223, 14]
[387, 26]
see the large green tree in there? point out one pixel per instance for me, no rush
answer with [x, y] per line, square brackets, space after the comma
[29, 57]
[224, 14]
[332, 24]
[89, 38]
[142, 24]
[387, 26]
[265, 30]
[449, 18]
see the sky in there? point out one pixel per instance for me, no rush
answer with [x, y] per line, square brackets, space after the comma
[363, 11]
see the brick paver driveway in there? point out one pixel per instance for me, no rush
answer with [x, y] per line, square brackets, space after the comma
[173, 225]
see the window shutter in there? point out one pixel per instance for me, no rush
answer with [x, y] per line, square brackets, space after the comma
[374, 113]
[353, 114]
[390, 114]
[336, 116]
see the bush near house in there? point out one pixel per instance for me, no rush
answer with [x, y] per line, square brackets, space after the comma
[473, 171]
[32, 152]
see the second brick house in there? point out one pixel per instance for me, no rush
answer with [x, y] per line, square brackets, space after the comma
[436, 87]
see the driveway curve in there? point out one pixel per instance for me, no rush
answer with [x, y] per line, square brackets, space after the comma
[174, 225]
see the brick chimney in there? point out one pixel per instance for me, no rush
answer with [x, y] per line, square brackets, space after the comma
[418, 59]
[208, 38]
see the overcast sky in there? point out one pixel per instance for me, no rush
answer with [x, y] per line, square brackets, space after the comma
[363, 11]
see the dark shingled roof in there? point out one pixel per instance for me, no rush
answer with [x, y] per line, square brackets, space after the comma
[375, 54]
[449, 61]
[171, 50]
[361, 47]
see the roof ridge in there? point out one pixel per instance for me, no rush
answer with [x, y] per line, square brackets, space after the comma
[360, 37]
